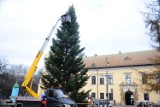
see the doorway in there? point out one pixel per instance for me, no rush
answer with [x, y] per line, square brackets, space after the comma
[129, 98]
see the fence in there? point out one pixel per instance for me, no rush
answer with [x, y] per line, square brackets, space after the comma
[97, 103]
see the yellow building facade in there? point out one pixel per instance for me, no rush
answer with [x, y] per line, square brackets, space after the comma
[124, 71]
[125, 77]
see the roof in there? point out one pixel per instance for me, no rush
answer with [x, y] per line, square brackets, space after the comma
[137, 58]
[16, 85]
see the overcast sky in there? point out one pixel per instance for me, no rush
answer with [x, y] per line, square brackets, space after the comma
[106, 26]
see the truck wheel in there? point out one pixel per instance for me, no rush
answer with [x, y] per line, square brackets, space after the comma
[19, 105]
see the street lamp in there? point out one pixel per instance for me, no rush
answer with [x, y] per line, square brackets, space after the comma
[107, 95]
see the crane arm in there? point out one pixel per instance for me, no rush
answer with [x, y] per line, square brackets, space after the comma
[64, 18]
[33, 67]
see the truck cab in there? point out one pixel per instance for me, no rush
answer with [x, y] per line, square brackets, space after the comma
[56, 98]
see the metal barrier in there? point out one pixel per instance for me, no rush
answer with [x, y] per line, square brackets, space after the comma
[86, 105]
[104, 103]
[145, 104]
[97, 103]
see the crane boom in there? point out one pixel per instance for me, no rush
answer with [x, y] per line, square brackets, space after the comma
[33, 67]
[64, 18]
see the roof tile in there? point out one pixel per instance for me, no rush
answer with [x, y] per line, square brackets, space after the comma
[122, 59]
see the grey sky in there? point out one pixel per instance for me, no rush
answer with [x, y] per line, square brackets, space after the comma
[106, 26]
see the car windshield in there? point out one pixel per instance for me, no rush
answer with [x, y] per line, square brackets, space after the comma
[59, 93]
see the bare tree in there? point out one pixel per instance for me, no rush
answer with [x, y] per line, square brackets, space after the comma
[3, 73]
[152, 20]
[11, 74]
[3, 64]
[18, 72]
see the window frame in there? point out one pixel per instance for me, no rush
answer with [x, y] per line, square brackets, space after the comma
[128, 78]
[111, 96]
[158, 79]
[93, 80]
[93, 95]
[146, 96]
[101, 81]
[110, 79]
[101, 95]
[144, 79]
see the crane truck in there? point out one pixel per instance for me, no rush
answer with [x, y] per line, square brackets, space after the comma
[54, 97]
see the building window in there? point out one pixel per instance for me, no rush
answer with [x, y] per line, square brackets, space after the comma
[101, 79]
[111, 96]
[93, 95]
[93, 79]
[101, 95]
[146, 96]
[158, 79]
[128, 78]
[144, 79]
[110, 79]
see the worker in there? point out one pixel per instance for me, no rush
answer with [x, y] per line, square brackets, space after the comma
[43, 101]
[90, 101]
[43, 96]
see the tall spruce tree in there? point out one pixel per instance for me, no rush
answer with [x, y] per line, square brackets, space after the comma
[64, 65]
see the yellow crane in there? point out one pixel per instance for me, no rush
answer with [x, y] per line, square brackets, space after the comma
[64, 18]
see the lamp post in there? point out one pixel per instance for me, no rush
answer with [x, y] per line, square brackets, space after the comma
[107, 95]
